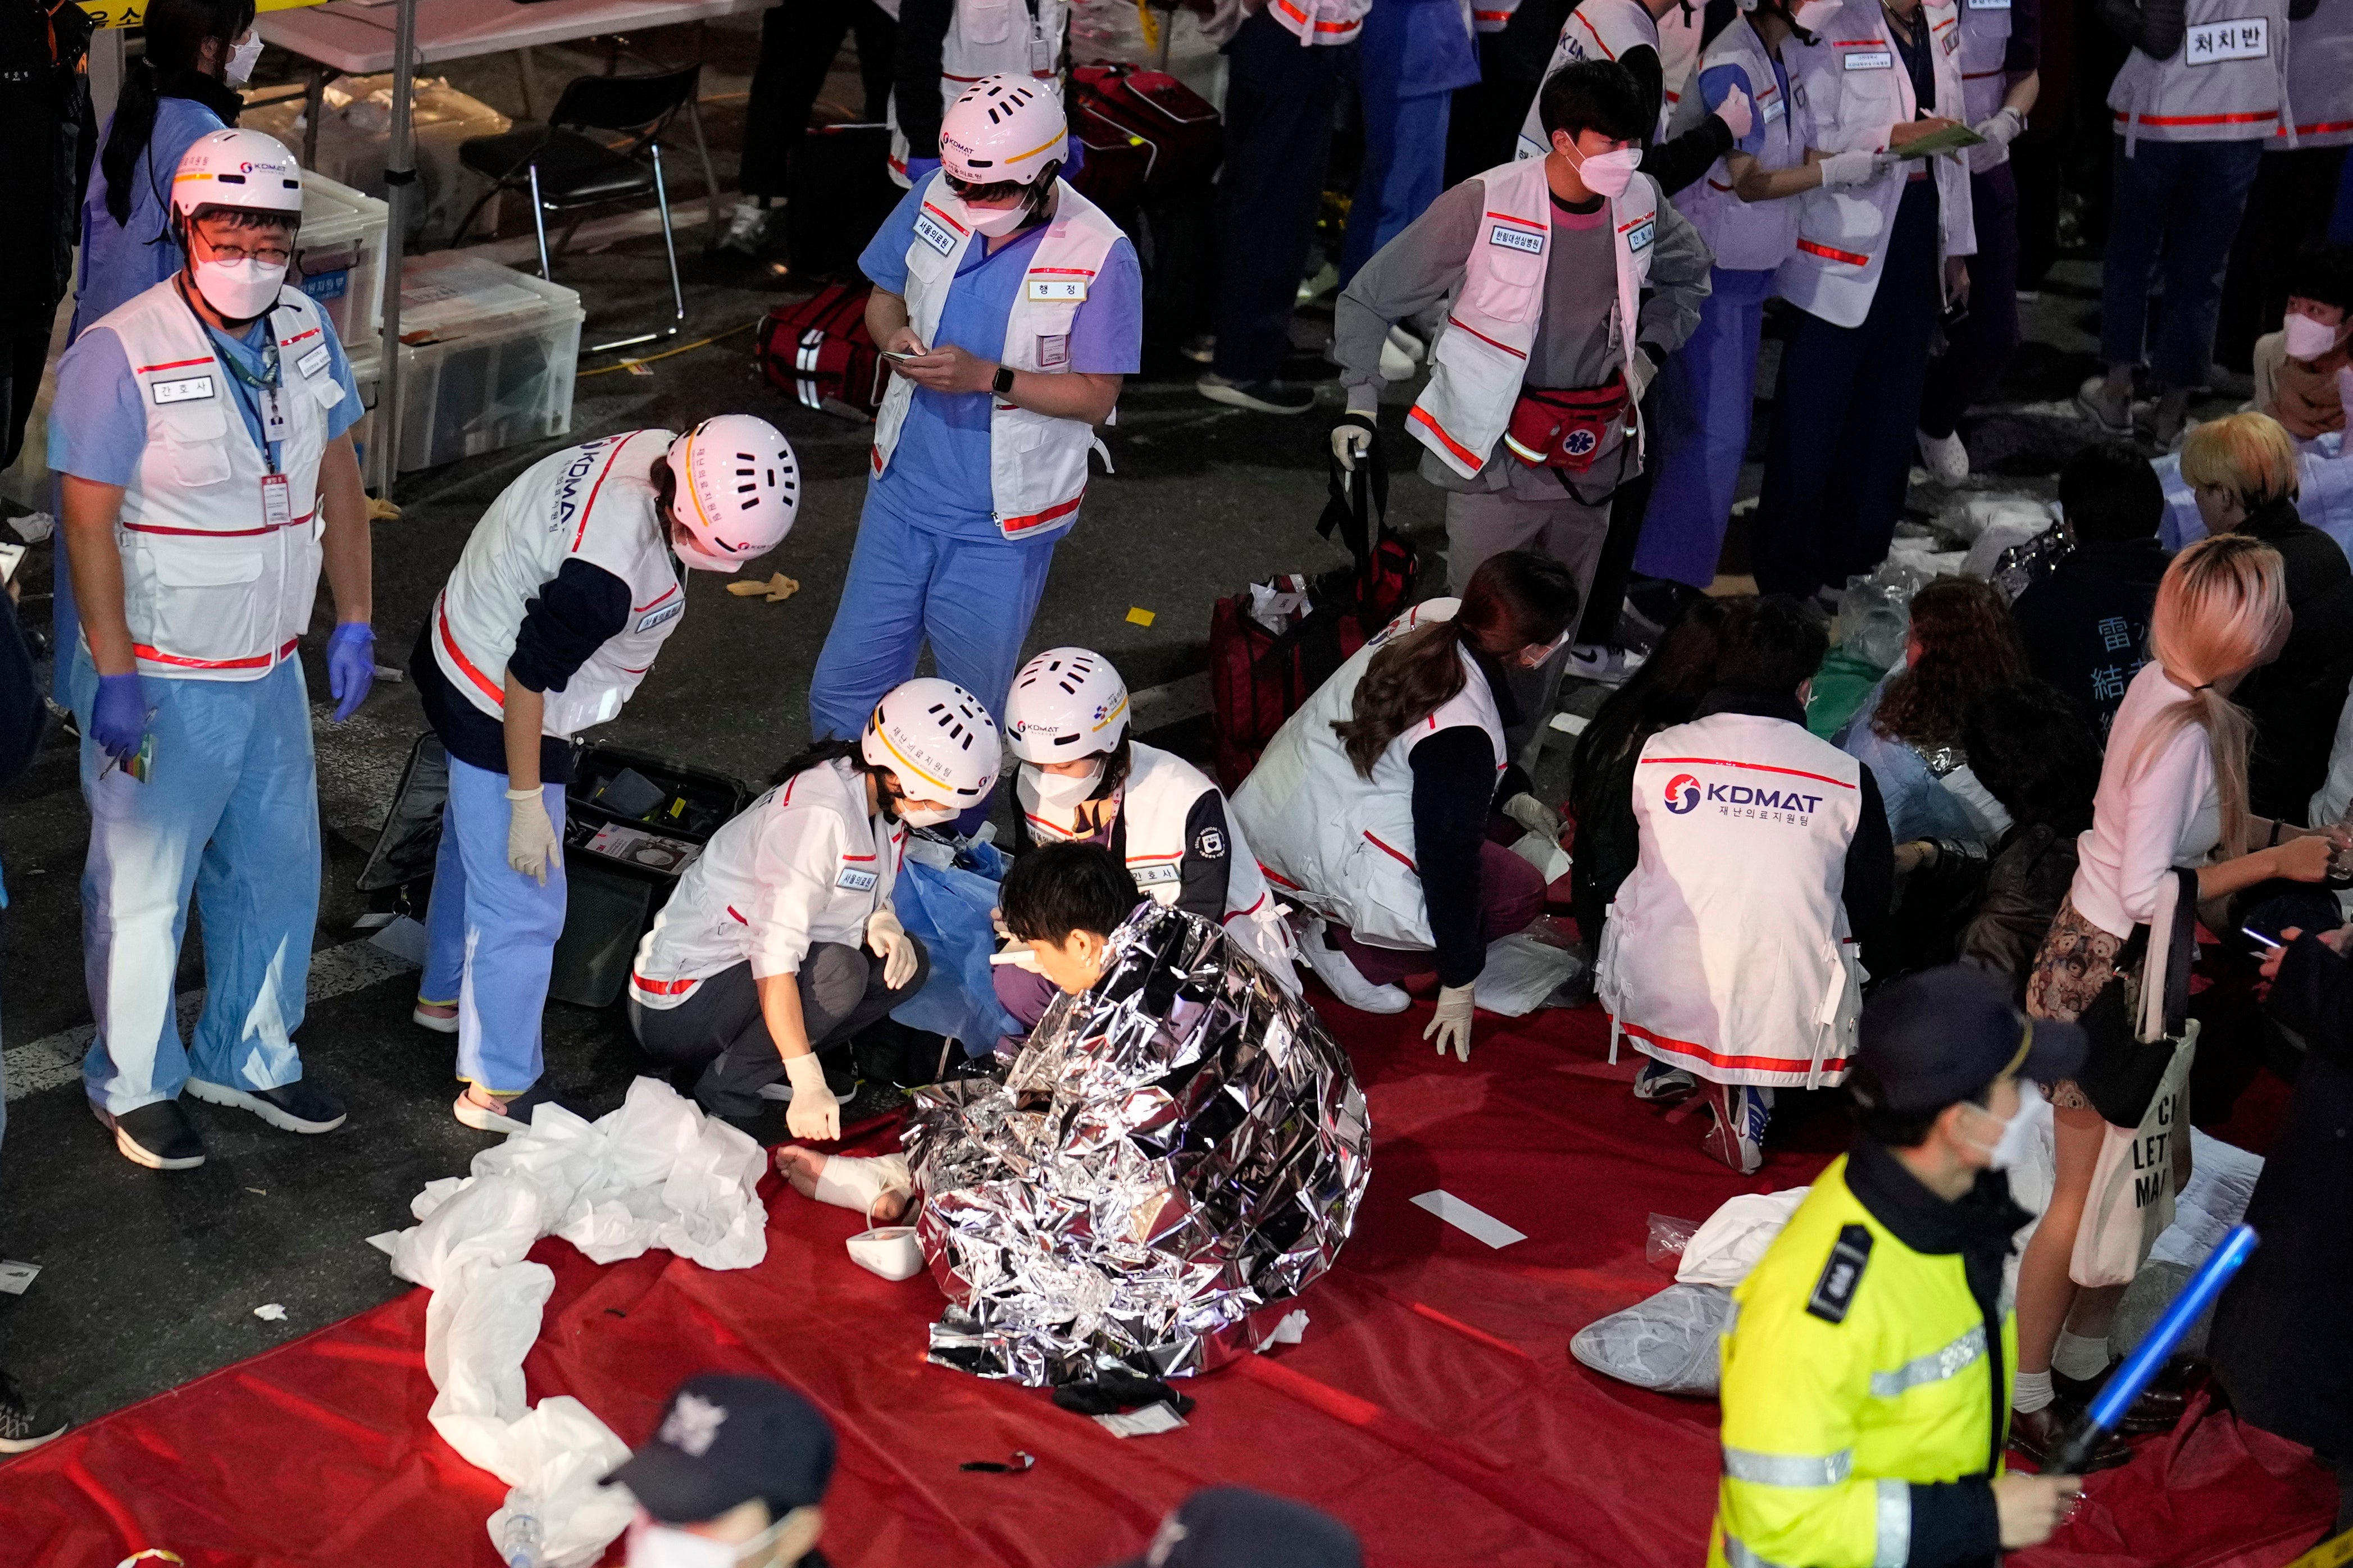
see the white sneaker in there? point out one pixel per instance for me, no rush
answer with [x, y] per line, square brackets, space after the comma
[748, 228]
[440, 1022]
[1602, 666]
[1396, 363]
[1346, 981]
[2112, 416]
[1406, 343]
[1947, 459]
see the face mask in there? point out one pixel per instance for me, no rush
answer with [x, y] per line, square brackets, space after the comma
[1609, 174]
[1056, 796]
[2306, 338]
[925, 815]
[2022, 1132]
[241, 57]
[997, 222]
[655, 1545]
[239, 291]
[1807, 14]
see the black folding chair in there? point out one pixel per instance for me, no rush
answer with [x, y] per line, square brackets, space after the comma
[566, 172]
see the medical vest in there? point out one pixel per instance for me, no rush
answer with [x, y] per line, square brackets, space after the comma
[1726, 951]
[991, 37]
[1337, 842]
[1856, 1368]
[595, 503]
[1596, 30]
[1985, 40]
[1313, 22]
[1852, 88]
[1036, 463]
[1155, 802]
[1679, 52]
[1482, 353]
[2225, 83]
[803, 863]
[2320, 79]
[220, 557]
[1745, 237]
[1492, 15]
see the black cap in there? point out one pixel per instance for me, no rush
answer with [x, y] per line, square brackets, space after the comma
[723, 1441]
[1234, 1527]
[1944, 1036]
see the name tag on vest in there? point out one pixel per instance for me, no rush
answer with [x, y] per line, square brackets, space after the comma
[1638, 237]
[857, 880]
[1155, 876]
[1057, 290]
[191, 390]
[1952, 39]
[1773, 108]
[312, 363]
[653, 618]
[933, 234]
[1988, 4]
[1517, 239]
[1053, 351]
[2216, 41]
[1869, 60]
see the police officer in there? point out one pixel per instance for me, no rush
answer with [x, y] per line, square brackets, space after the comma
[1867, 1376]
[735, 1473]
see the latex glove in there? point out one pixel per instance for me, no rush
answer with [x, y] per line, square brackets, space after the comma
[814, 1112]
[1852, 168]
[888, 941]
[117, 717]
[921, 169]
[1352, 438]
[1737, 113]
[1451, 1025]
[2002, 127]
[351, 666]
[533, 847]
[1535, 815]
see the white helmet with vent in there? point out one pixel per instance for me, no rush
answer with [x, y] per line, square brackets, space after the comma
[739, 489]
[1003, 128]
[249, 170]
[1067, 703]
[937, 738]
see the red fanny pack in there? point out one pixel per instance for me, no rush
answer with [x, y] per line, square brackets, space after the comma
[1564, 429]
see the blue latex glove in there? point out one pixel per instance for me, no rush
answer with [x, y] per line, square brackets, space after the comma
[118, 718]
[921, 169]
[351, 666]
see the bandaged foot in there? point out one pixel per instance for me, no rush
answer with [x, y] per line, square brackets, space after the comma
[880, 1188]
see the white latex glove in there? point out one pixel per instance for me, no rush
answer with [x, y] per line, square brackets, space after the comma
[814, 1112]
[1736, 113]
[1350, 441]
[889, 941]
[1535, 815]
[533, 847]
[1451, 1025]
[2002, 127]
[1851, 168]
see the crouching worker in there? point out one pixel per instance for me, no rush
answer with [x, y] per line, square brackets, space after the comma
[780, 943]
[1062, 902]
[1371, 805]
[735, 1474]
[566, 592]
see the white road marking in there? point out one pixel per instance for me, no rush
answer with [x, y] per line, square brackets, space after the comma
[1462, 1216]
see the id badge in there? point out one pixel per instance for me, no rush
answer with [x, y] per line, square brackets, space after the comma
[277, 501]
[1041, 57]
[1053, 351]
[273, 414]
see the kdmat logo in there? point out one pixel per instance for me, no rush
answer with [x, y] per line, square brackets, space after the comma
[1683, 794]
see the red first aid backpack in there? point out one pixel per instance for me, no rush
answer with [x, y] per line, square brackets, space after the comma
[1147, 136]
[820, 350]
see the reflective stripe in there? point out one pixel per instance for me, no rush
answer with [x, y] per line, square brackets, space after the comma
[1894, 1524]
[1934, 1367]
[1737, 1552]
[1787, 1469]
[1831, 253]
[182, 661]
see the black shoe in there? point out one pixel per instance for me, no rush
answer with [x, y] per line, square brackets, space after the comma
[160, 1136]
[22, 1426]
[2037, 1436]
[298, 1107]
[2158, 1409]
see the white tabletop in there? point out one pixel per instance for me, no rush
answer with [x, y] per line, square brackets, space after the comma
[355, 37]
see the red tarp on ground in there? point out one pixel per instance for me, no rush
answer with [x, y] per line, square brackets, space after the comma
[1433, 1405]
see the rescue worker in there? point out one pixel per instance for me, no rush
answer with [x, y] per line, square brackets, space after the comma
[566, 592]
[945, 47]
[1866, 1376]
[1013, 309]
[1369, 809]
[1083, 776]
[1875, 266]
[1729, 952]
[1572, 283]
[1627, 31]
[758, 965]
[201, 434]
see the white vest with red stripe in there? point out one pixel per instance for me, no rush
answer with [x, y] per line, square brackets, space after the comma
[1853, 89]
[1746, 236]
[1480, 360]
[2320, 79]
[2225, 83]
[991, 37]
[1596, 30]
[1337, 842]
[595, 502]
[1679, 53]
[213, 589]
[1315, 22]
[1036, 463]
[1985, 40]
[1154, 805]
[1726, 951]
[1492, 15]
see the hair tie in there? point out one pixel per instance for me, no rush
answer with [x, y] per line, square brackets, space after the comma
[2207, 685]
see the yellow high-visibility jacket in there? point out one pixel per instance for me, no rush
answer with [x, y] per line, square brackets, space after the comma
[1858, 1387]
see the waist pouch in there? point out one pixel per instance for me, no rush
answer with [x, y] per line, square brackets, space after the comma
[1555, 429]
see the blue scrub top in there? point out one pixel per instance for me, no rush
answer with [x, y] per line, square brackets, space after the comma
[938, 478]
[1412, 48]
[121, 261]
[1715, 85]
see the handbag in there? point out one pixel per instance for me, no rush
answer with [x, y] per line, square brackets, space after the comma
[2131, 1199]
[1565, 429]
[2133, 1023]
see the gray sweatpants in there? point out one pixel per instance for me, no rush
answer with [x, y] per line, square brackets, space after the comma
[1480, 524]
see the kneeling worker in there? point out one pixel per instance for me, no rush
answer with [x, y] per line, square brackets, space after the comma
[1867, 1376]
[563, 598]
[755, 965]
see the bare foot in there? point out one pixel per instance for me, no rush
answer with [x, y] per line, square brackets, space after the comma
[801, 1166]
[891, 1207]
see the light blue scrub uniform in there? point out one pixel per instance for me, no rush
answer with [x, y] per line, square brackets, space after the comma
[491, 932]
[231, 809]
[1410, 57]
[929, 563]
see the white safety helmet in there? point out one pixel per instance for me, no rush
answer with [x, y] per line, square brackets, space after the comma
[1067, 703]
[245, 169]
[937, 738]
[1003, 128]
[739, 489]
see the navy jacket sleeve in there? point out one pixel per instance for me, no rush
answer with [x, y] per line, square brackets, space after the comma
[1209, 862]
[922, 31]
[577, 613]
[1677, 163]
[1453, 789]
[1953, 1524]
[1870, 866]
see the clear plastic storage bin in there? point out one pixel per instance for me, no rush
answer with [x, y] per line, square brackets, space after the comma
[487, 359]
[340, 258]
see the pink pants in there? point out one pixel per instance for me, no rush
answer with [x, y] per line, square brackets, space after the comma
[1511, 898]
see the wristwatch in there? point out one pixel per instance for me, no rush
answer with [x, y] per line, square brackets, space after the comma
[1003, 385]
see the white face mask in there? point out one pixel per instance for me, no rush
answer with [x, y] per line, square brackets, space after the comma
[240, 290]
[997, 222]
[1609, 174]
[915, 816]
[2305, 337]
[2022, 1132]
[1807, 16]
[241, 57]
[653, 1545]
[1056, 797]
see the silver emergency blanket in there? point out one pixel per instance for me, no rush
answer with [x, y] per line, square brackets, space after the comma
[1173, 1153]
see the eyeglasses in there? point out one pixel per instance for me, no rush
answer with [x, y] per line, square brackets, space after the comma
[268, 254]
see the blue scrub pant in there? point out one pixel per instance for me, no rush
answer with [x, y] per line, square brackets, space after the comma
[490, 932]
[2176, 209]
[1706, 395]
[970, 598]
[1403, 171]
[230, 811]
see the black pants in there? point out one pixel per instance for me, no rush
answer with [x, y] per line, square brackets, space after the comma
[719, 1028]
[1605, 601]
[1844, 410]
[798, 41]
[1280, 99]
[21, 359]
[1978, 350]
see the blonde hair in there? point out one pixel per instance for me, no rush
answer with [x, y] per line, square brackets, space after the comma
[2221, 601]
[2247, 455]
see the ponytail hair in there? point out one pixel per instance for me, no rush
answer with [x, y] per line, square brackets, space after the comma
[174, 32]
[2221, 605]
[1516, 600]
[816, 756]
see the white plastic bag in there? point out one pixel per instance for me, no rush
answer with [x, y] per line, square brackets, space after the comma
[1723, 1251]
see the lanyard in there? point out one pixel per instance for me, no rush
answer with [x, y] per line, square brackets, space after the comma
[244, 381]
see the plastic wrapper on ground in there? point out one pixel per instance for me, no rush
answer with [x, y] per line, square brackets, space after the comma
[1175, 1156]
[1666, 1343]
